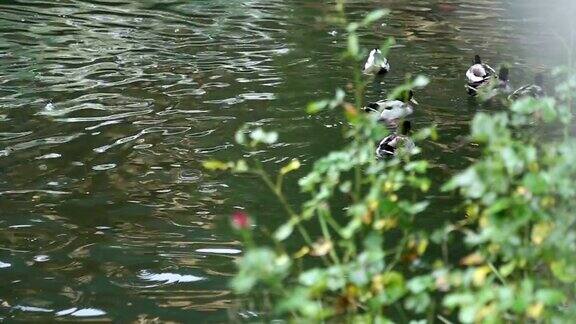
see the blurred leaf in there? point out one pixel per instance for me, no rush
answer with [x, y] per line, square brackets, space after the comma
[480, 275]
[353, 45]
[321, 247]
[420, 81]
[260, 136]
[293, 165]
[540, 232]
[374, 16]
[215, 165]
[284, 231]
[260, 264]
[312, 277]
[302, 252]
[550, 296]
[241, 166]
[535, 311]
[564, 272]
[420, 284]
[317, 106]
[472, 259]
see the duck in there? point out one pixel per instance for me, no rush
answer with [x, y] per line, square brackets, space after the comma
[376, 64]
[393, 110]
[392, 144]
[535, 90]
[478, 74]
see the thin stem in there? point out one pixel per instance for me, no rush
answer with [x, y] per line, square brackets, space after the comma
[326, 234]
[497, 273]
[443, 319]
[285, 204]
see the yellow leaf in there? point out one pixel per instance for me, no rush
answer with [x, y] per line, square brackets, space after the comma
[548, 202]
[373, 204]
[472, 211]
[388, 186]
[485, 311]
[302, 252]
[293, 165]
[483, 222]
[386, 224]
[472, 259]
[535, 311]
[215, 165]
[480, 275]
[540, 232]
[422, 245]
[350, 110]
[377, 283]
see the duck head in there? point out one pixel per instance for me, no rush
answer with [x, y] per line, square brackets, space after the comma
[371, 107]
[407, 96]
[405, 127]
[477, 59]
[503, 74]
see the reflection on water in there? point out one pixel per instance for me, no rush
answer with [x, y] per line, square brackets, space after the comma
[107, 109]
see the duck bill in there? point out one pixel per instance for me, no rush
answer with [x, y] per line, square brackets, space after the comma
[414, 101]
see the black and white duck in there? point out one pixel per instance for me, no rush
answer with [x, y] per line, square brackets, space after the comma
[400, 141]
[376, 64]
[478, 74]
[535, 90]
[393, 110]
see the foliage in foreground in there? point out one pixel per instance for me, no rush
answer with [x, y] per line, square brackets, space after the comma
[372, 264]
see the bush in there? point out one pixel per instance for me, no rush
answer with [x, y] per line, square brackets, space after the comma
[516, 230]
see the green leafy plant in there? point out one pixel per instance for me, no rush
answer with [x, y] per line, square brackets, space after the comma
[360, 263]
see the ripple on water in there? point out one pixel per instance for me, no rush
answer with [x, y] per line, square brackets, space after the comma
[167, 278]
[82, 312]
[104, 167]
[219, 251]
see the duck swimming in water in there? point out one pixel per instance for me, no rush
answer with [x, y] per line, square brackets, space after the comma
[535, 90]
[478, 74]
[392, 144]
[391, 111]
[376, 63]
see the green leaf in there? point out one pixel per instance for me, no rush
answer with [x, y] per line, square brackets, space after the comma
[550, 296]
[260, 136]
[353, 45]
[241, 166]
[260, 265]
[374, 16]
[562, 271]
[240, 136]
[284, 231]
[418, 303]
[420, 284]
[312, 277]
[536, 183]
[487, 128]
[317, 106]
[420, 81]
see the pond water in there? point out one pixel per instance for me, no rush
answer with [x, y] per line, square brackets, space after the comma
[109, 107]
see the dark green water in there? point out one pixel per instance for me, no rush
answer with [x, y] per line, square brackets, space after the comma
[108, 108]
